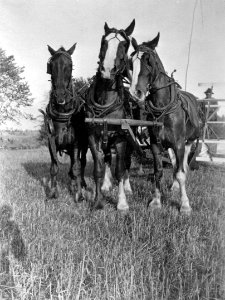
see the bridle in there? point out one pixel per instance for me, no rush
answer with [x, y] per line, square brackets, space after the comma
[97, 110]
[151, 86]
[102, 53]
[158, 112]
[51, 109]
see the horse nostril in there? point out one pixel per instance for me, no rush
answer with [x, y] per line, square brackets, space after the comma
[139, 93]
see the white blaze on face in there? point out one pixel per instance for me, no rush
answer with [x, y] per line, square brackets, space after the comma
[136, 60]
[111, 53]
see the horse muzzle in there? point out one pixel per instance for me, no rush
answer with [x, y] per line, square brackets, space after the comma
[138, 95]
[60, 98]
[61, 101]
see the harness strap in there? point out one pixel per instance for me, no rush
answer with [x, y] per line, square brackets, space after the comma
[105, 135]
[159, 112]
[99, 110]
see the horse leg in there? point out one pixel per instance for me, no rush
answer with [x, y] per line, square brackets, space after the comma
[182, 153]
[127, 186]
[122, 204]
[158, 172]
[75, 175]
[98, 171]
[53, 192]
[83, 161]
[107, 180]
[141, 170]
[175, 184]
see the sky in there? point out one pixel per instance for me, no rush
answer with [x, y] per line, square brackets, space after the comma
[28, 26]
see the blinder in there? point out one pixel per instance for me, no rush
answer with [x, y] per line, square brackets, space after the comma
[122, 33]
[49, 68]
[144, 49]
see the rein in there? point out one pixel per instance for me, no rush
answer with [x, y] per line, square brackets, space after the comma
[53, 113]
[64, 117]
[102, 55]
[101, 110]
[159, 112]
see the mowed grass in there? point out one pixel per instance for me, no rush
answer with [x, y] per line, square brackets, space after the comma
[62, 250]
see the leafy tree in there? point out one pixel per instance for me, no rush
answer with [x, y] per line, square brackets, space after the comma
[14, 91]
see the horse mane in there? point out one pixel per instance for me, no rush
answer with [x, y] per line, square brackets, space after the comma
[159, 62]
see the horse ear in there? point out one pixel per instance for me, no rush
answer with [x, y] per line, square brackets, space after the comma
[134, 43]
[153, 43]
[106, 27]
[130, 28]
[51, 50]
[71, 50]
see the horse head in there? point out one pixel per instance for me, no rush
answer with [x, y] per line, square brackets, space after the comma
[146, 66]
[113, 51]
[60, 68]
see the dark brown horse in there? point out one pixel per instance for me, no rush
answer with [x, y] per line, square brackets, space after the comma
[64, 120]
[106, 99]
[165, 102]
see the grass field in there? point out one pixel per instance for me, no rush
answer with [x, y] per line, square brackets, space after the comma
[62, 250]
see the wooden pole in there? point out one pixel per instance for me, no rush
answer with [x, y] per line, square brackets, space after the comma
[131, 122]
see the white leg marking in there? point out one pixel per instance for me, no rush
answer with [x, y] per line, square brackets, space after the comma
[172, 157]
[127, 186]
[141, 171]
[122, 201]
[107, 181]
[156, 201]
[175, 186]
[186, 154]
[185, 206]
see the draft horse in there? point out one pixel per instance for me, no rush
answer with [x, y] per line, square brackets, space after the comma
[106, 99]
[164, 101]
[65, 122]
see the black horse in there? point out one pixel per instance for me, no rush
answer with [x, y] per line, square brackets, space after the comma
[106, 99]
[165, 102]
[64, 120]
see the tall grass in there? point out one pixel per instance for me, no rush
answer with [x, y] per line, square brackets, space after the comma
[74, 253]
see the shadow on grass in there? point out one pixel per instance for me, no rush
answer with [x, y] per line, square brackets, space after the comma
[11, 244]
[41, 172]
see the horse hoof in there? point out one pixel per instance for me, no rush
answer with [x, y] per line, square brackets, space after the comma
[129, 192]
[151, 177]
[123, 208]
[79, 198]
[186, 210]
[141, 173]
[194, 166]
[155, 204]
[54, 194]
[106, 188]
[83, 184]
[124, 211]
[98, 205]
[175, 187]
